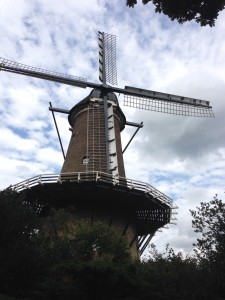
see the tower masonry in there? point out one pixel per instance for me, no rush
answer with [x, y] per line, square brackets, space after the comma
[87, 150]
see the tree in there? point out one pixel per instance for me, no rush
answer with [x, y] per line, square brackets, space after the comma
[209, 222]
[204, 12]
[18, 251]
[96, 260]
[171, 275]
[89, 240]
[43, 257]
[99, 242]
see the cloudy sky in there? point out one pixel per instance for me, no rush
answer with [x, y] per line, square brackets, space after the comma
[182, 157]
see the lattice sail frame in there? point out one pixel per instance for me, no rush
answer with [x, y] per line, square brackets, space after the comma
[107, 58]
[18, 66]
[168, 107]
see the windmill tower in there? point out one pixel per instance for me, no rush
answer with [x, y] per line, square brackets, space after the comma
[92, 178]
[88, 150]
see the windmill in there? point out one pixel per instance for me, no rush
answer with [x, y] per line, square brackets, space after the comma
[93, 177]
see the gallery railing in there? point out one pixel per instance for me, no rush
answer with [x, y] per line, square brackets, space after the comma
[94, 176]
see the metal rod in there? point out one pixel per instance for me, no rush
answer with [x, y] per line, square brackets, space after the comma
[134, 124]
[45, 76]
[146, 243]
[57, 131]
[141, 241]
[61, 110]
[132, 138]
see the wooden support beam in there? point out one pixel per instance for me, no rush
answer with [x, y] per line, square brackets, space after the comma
[133, 240]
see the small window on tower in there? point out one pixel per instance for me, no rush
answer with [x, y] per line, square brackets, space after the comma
[85, 160]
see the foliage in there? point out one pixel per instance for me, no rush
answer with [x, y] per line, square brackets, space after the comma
[98, 241]
[209, 222]
[51, 258]
[88, 241]
[171, 276]
[94, 261]
[46, 258]
[18, 218]
[204, 12]
[18, 248]
[92, 280]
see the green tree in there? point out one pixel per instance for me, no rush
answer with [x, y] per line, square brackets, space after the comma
[91, 261]
[99, 242]
[18, 230]
[171, 275]
[209, 223]
[42, 257]
[204, 12]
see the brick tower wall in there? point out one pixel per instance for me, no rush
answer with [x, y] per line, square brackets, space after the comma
[90, 141]
[115, 219]
[77, 146]
[119, 148]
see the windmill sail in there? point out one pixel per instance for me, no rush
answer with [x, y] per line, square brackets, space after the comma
[166, 103]
[18, 68]
[107, 58]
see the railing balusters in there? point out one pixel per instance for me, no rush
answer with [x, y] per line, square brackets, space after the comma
[94, 176]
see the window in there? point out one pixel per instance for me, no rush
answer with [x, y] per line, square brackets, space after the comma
[85, 160]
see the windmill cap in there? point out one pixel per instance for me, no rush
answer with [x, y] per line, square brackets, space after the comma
[97, 93]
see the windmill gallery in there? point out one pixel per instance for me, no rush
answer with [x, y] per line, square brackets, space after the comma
[93, 177]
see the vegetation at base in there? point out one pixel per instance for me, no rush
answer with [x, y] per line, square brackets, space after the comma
[204, 12]
[92, 261]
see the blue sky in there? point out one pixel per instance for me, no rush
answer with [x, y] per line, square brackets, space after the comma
[182, 157]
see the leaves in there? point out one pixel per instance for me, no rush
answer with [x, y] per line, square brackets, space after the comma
[209, 221]
[98, 241]
[19, 225]
[204, 12]
[47, 257]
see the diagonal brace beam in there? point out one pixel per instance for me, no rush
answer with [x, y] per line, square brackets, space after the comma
[140, 126]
